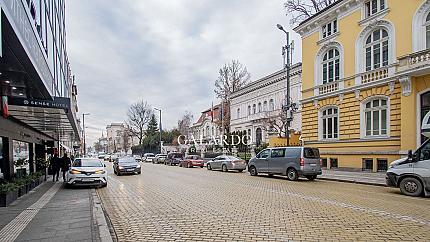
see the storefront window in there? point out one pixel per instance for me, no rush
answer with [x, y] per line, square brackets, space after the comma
[20, 158]
[425, 108]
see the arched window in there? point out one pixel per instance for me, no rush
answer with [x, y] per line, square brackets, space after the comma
[376, 49]
[265, 106]
[259, 107]
[427, 24]
[330, 123]
[207, 131]
[254, 108]
[271, 105]
[238, 113]
[331, 66]
[249, 110]
[376, 117]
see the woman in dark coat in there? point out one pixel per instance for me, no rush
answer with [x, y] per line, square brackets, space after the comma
[65, 165]
[55, 166]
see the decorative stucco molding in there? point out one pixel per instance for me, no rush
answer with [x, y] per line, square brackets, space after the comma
[357, 94]
[391, 87]
[406, 83]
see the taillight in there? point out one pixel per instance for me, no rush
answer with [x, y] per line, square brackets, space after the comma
[302, 161]
[320, 162]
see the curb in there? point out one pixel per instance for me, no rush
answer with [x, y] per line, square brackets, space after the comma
[99, 218]
[353, 181]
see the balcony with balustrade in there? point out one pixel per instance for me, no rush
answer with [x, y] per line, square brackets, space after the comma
[415, 64]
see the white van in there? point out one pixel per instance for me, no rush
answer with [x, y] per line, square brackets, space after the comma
[412, 174]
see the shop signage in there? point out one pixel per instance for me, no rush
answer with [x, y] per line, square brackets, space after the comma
[58, 102]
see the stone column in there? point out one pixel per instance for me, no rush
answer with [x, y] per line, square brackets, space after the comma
[253, 146]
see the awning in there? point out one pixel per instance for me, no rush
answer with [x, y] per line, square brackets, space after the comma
[54, 118]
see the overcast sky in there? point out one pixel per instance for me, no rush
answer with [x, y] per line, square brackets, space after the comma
[166, 52]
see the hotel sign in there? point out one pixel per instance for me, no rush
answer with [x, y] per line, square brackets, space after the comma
[58, 102]
[16, 13]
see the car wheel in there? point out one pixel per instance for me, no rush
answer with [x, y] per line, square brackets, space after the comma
[239, 171]
[201, 166]
[104, 185]
[118, 173]
[411, 186]
[292, 174]
[139, 173]
[224, 168]
[180, 164]
[311, 178]
[208, 166]
[189, 165]
[253, 171]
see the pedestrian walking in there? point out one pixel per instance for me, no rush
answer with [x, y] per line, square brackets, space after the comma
[55, 167]
[65, 165]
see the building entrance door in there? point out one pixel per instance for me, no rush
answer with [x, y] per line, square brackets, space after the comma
[425, 108]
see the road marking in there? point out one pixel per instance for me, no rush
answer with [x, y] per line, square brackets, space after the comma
[14, 228]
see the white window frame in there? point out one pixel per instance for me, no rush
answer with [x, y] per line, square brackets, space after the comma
[329, 61]
[363, 109]
[332, 25]
[331, 116]
[360, 57]
[318, 72]
[372, 46]
[378, 7]
[419, 27]
[271, 105]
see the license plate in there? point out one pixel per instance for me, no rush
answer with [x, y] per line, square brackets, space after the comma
[87, 180]
[313, 164]
[130, 169]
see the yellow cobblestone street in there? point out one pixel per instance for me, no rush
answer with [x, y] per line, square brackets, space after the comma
[171, 203]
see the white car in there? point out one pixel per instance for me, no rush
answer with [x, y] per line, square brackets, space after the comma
[148, 157]
[87, 172]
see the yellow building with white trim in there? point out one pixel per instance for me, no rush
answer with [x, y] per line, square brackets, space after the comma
[365, 81]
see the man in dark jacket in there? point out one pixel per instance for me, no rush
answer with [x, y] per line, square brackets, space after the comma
[55, 166]
[65, 165]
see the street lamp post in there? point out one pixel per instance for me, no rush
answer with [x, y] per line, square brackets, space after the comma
[158, 109]
[83, 130]
[286, 54]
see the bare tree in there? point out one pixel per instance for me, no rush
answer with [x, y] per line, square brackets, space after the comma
[185, 123]
[138, 115]
[275, 123]
[232, 77]
[300, 10]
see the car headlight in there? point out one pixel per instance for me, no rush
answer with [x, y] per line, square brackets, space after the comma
[100, 172]
[120, 167]
[138, 166]
[73, 171]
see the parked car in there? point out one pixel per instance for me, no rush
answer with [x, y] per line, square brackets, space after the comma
[148, 157]
[191, 161]
[226, 163]
[106, 158]
[87, 172]
[113, 158]
[294, 162]
[138, 158]
[126, 165]
[174, 159]
[412, 174]
[159, 158]
[101, 156]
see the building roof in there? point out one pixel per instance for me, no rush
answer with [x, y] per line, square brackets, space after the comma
[320, 12]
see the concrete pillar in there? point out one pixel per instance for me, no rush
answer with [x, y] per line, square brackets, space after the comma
[31, 160]
[8, 164]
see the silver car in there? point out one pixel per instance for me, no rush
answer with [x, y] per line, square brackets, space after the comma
[294, 162]
[226, 163]
[87, 172]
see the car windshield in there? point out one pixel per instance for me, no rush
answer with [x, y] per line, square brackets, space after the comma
[177, 156]
[150, 155]
[127, 160]
[232, 158]
[87, 163]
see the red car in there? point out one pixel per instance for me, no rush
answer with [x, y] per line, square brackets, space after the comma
[192, 160]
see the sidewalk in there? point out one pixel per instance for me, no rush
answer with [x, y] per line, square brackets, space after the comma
[51, 213]
[368, 178]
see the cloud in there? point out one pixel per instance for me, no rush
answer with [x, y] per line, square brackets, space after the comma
[166, 52]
